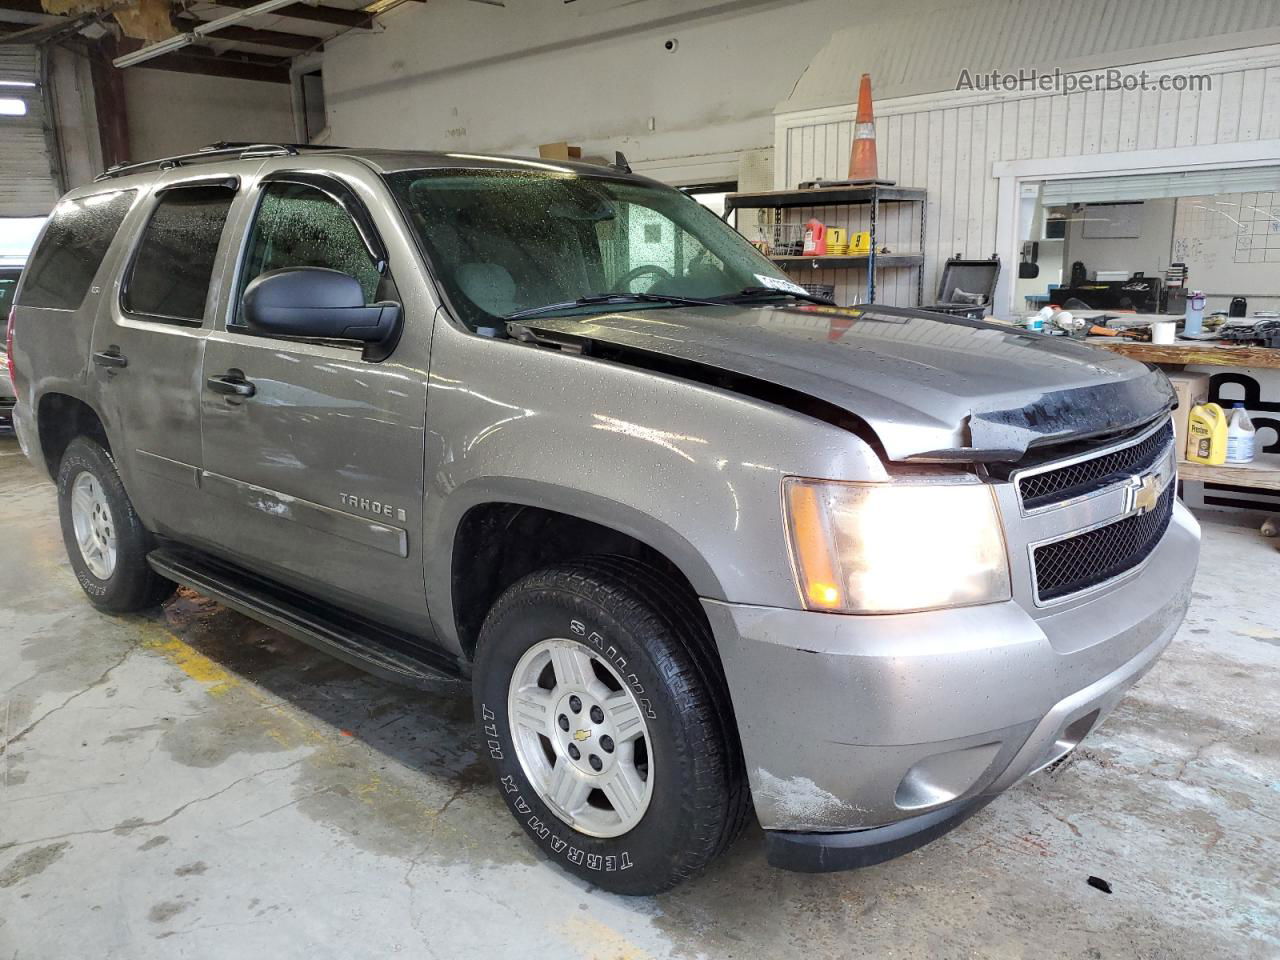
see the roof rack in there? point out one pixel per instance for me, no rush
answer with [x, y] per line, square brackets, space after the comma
[222, 150]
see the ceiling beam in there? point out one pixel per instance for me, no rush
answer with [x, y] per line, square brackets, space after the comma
[236, 56]
[263, 38]
[334, 16]
[23, 19]
[204, 60]
[185, 62]
[23, 6]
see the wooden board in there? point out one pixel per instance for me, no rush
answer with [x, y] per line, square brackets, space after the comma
[1264, 476]
[1207, 353]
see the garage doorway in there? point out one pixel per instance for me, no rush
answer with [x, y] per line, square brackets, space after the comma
[28, 184]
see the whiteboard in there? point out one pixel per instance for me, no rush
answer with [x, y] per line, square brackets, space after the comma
[1230, 243]
[1112, 221]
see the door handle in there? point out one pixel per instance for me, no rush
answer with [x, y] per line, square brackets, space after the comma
[231, 384]
[111, 357]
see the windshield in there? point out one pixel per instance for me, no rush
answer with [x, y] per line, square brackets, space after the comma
[504, 242]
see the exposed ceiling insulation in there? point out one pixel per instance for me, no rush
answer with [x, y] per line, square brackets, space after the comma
[248, 40]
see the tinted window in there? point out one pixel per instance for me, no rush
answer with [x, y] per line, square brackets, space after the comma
[171, 272]
[74, 243]
[301, 226]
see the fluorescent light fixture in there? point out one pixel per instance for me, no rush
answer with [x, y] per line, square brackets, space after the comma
[153, 50]
[231, 19]
[12, 107]
[200, 30]
[17, 83]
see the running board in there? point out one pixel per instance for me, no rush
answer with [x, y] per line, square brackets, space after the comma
[372, 647]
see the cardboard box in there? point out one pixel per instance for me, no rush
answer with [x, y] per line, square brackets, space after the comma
[1191, 388]
[559, 151]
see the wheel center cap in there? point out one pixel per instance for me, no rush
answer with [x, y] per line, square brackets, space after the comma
[581, 742]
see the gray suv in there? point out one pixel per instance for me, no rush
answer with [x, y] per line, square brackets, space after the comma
[706, 546]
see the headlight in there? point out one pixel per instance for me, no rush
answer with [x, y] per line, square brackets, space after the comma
[895, 547]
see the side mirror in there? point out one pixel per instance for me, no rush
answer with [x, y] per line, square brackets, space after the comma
[316, 302]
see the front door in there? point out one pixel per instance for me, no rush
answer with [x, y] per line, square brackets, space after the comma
[147, 346]
[315, 448]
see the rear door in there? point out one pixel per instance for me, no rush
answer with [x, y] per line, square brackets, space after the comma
[318, 472]
[148, 342]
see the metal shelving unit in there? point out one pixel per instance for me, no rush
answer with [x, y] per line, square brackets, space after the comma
[836, 196]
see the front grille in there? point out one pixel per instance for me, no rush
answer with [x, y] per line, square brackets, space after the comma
[1078, 479]
[1088, 559]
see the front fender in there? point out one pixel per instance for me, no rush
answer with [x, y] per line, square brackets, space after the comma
[693, 471]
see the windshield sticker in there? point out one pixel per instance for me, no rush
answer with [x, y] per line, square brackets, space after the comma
[773, 283]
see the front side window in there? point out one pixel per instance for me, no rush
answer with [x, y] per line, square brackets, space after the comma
[299, 225]
[170, 275]
[71, 250]
[501, 242]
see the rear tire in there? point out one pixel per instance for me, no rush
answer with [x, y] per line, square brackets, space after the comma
[647, 679]
[105, 540]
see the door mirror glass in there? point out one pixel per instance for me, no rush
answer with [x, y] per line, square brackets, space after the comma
[315, 302]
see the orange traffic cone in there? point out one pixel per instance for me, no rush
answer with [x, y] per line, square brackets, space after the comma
[862, 158]
[837, 327]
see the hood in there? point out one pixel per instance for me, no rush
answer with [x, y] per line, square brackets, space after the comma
[931, 387]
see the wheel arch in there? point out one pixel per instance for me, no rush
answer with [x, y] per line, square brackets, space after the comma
[503, 530]
[60, 418]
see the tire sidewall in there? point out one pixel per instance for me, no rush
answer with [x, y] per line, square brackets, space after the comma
[83, 456]
[642, 857]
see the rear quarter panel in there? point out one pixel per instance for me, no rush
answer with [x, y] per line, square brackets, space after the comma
[51, 346]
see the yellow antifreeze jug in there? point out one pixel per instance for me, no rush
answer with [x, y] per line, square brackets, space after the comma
[1207, 434]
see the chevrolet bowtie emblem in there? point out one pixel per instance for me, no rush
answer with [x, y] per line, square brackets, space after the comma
[1146, 494]
[581, 735]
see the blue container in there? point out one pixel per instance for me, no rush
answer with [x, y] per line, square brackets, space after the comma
[1193, 322]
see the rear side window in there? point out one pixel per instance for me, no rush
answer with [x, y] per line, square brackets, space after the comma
[170, 275]
[74, 243]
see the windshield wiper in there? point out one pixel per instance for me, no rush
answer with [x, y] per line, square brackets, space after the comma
[598, 299]
[747, 294]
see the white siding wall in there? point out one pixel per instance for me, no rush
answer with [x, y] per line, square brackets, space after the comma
[948, 142]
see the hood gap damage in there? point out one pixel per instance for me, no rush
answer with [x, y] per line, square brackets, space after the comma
[731, 382]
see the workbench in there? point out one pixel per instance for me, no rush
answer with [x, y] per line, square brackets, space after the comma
[1262, 473]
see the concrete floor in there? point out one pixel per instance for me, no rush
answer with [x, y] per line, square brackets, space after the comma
[192, 784]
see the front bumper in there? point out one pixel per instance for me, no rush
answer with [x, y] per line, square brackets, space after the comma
[867, 736]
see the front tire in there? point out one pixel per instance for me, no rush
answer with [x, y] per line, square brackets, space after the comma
[105, 540]
[608, 725]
